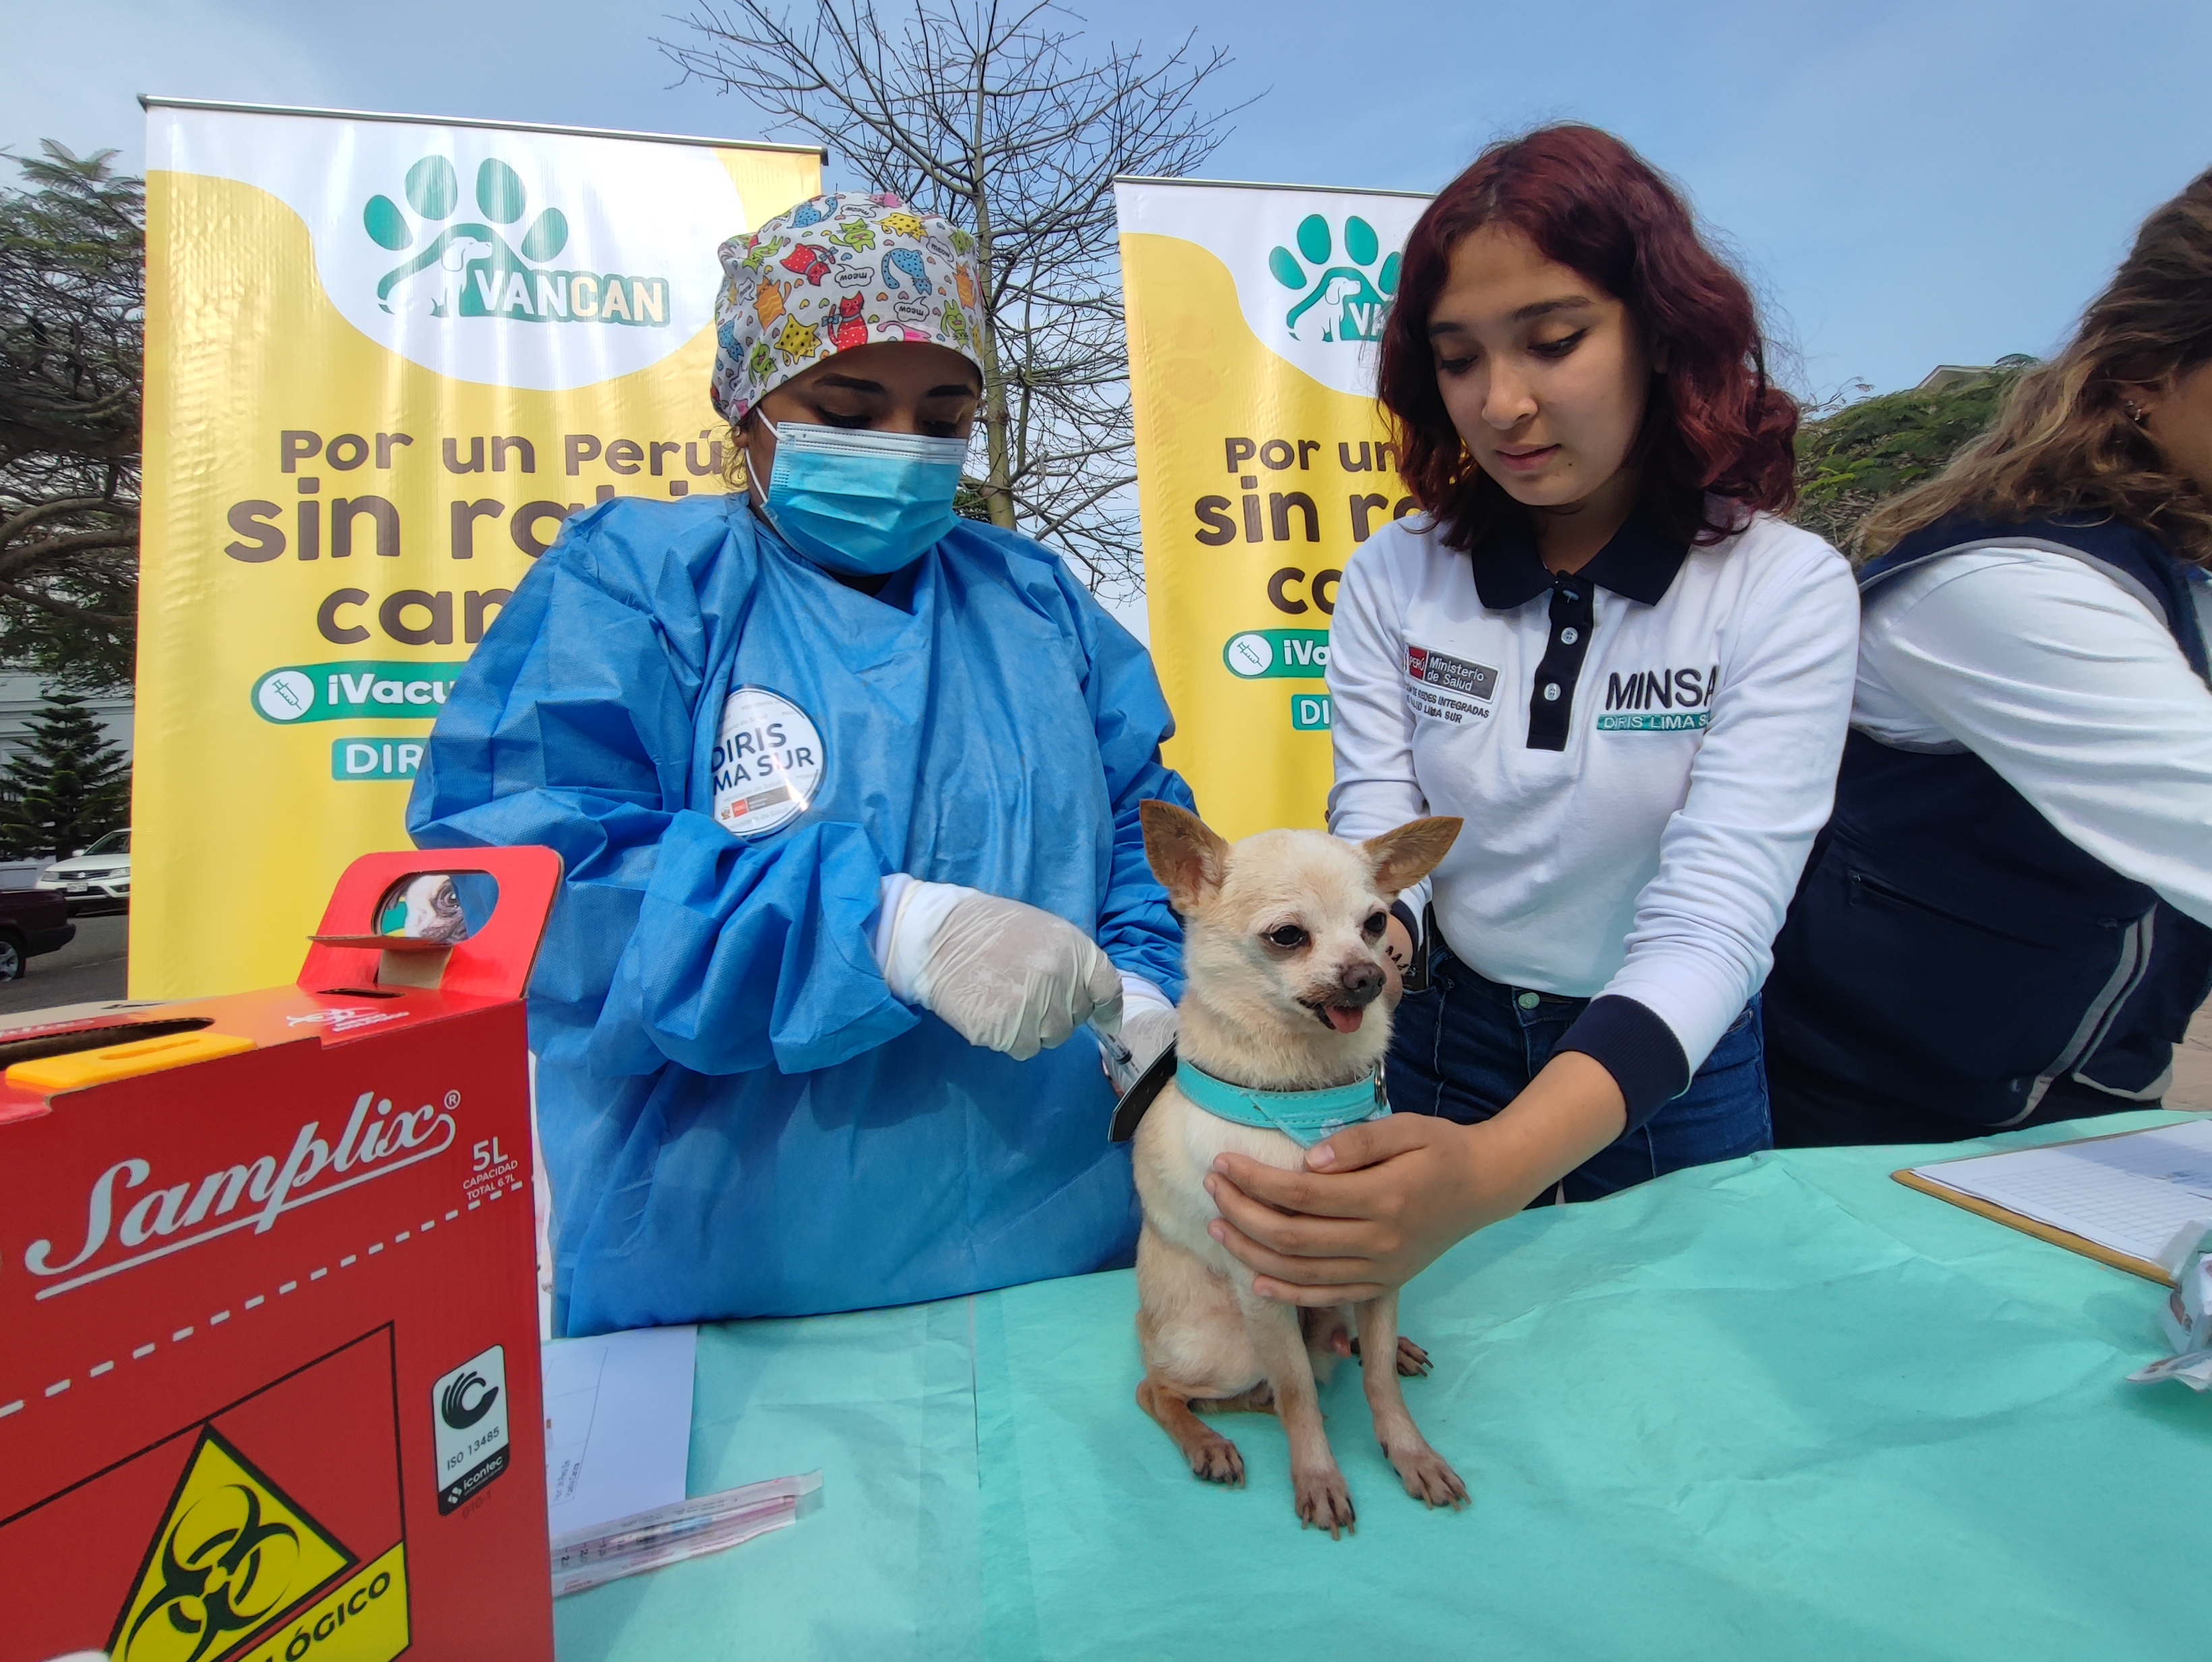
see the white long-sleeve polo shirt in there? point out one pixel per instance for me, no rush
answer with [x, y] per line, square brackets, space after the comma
[2068, 685]
[1643, 752]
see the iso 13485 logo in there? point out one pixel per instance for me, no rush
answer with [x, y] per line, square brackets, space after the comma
[468, 1418]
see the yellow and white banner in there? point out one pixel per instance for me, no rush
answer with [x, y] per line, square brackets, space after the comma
[1253, 315]
[384, 358]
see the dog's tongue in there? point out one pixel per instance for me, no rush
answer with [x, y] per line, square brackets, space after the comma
[1345, 1018]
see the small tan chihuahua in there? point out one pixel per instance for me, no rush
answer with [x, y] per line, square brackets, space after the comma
[1280, 1028]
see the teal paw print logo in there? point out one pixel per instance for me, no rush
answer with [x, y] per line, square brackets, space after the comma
[1339, 299]
[469, 267]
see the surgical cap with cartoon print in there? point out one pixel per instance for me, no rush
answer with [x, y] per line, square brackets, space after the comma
[842, 271]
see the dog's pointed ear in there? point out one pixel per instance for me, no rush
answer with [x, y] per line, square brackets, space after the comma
[1403, 857]
[1188, 858]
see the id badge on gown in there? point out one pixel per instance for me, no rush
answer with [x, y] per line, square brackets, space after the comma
[767, 762]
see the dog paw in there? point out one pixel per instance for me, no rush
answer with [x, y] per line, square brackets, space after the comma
[1217, 1461]
[1428, 1477]
[1413, 1360]
[1325, 1502]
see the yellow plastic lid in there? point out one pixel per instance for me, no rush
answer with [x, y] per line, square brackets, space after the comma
[145, 1055]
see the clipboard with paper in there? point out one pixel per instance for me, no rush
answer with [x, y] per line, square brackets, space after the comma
[2136, 1199]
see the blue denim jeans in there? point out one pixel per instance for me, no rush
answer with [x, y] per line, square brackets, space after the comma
[1469, 1045]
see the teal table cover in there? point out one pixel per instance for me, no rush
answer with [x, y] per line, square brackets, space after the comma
[1784, 1407]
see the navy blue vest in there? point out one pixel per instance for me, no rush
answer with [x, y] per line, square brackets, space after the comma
[1948, 949]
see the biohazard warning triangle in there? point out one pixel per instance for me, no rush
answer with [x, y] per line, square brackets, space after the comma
[231, 1554]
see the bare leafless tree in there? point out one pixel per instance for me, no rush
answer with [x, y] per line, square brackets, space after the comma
[988, 114]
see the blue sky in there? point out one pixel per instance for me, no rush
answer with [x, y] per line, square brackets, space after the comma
[1906, 184]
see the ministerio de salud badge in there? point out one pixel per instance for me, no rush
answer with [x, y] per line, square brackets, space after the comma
[767, 762]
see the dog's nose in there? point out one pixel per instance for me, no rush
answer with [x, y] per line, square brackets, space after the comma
[1362, 982]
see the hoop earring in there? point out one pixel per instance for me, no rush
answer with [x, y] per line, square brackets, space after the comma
[2135, 413]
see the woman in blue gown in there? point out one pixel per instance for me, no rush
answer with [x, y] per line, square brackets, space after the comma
[847, 790]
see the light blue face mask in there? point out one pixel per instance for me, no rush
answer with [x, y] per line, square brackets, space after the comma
[861, 502]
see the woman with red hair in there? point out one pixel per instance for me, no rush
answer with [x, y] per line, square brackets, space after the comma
[1599, 645]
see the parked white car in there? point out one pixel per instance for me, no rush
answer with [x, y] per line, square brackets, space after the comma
[97, 878]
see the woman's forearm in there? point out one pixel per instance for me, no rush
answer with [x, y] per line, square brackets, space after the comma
[1568, 1112]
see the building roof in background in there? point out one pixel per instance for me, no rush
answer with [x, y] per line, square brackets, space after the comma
[1945, 376]
[22, 695]
[1949, 377]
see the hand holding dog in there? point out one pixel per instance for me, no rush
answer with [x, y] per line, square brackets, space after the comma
[1379, 1202]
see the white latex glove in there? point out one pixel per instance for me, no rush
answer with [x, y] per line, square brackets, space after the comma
[1001, 974]
[1148, 1020]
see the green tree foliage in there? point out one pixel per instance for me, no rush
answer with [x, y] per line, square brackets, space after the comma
[72, 348]
[67, 786]
[1852, 460]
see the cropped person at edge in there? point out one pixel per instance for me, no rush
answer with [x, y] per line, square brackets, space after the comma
[847, 788]
[2006, 921]
[1600, 646]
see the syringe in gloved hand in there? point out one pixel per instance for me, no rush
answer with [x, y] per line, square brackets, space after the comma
[1121, 1065]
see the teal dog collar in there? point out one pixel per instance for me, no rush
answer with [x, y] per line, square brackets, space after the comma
[1305, 1116]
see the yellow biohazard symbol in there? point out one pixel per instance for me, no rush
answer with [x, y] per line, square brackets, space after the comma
[233, 1552]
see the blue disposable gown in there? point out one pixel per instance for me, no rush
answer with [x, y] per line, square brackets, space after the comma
[738, 1117]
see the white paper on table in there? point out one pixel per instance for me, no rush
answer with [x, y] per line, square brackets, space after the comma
[2133, 1194]
[618, 1424]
